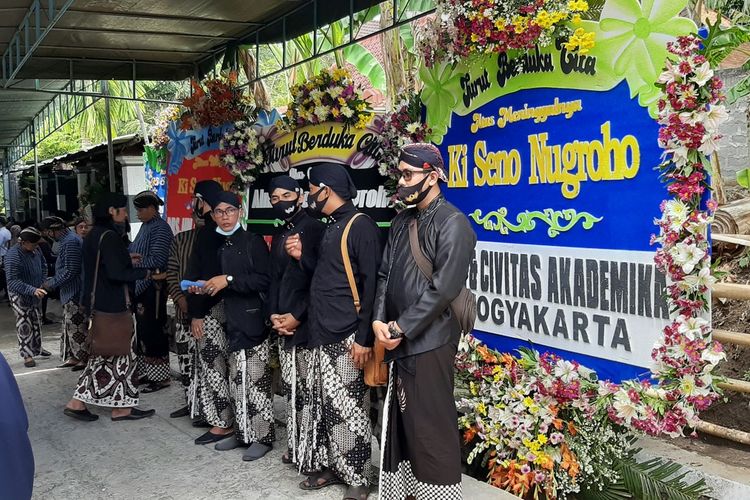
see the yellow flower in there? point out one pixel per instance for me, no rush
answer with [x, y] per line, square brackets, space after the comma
[481, 409]
[578, 5]
[527, 401]
[543, 19]
[577, 19]
[335, 112]
[361, 106]
[581, 41]
[474, 37]
[473, 389]
[342, 101]
[542, 439]
[520, 24]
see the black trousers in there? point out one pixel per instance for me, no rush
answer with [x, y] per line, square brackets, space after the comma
[151, 320]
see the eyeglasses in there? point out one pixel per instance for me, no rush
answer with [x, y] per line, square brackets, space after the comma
[229, 212]
[408, 174]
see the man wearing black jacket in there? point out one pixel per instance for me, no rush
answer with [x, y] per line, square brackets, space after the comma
[289, 297]
[244, 281]
[336, 427]
[413, 319]
[209, 390]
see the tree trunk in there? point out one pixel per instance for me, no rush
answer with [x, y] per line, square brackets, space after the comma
[259, 90]
[733, 218]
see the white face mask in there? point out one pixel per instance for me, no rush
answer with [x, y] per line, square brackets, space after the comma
[230, 232]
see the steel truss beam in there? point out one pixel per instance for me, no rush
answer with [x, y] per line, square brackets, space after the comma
[35, 26]
[401, 16]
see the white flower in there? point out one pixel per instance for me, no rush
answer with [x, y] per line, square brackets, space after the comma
[347, 111]
[230, 159]
[677, 211]
[316, 94]
[687, 256]
[694, 282]
[321, 112]
[709, 145]
[715, 116]
[712, 357]
[412, 127]
[703, 74]
[624, 407]
[335, 91]
[669, 75]
[692, 328]
[565, 371]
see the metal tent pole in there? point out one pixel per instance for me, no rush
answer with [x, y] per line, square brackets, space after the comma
[110, 149]
[37, 183]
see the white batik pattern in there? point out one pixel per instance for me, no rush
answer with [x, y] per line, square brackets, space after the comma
[250, 380]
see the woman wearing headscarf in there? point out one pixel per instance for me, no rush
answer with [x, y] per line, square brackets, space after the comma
[25, 272]
[108, 380]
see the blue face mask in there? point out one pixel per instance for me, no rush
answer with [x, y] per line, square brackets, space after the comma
[230, 232]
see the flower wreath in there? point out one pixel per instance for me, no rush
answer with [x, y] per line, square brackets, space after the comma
[215, 102]
[541, 424]
[402, 126]
[328, 96]
[463, 27]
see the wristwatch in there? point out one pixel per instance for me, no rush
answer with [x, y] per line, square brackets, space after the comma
[230, 279]
[395, 334]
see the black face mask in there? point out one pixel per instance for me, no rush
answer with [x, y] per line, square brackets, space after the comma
[285, 210]
[412, 195]
[315, 204]
[123, 228]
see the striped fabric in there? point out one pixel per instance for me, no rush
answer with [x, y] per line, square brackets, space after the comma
[153, 242]
[179, 255]
[68, 268]
[24, 271]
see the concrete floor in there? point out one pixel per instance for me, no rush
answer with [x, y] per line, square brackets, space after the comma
[151, 458]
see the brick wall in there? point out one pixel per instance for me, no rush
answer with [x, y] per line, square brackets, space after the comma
[734, 152]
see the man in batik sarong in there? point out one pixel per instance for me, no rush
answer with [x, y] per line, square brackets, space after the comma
[421, 449]
[336, 432]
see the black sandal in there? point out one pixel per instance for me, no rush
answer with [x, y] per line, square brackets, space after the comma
[286, 459]
[313, 482]
[154, 387]
[84, 414]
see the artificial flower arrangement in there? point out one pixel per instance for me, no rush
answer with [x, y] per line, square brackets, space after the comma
[545, 427]
[242, 151]
[330, 96]
[215, 102]
[463, 27]
[158, 132]
[402, 126]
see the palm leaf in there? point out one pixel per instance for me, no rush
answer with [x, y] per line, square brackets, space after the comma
[657, 479]
[366, 64]
[595, 10]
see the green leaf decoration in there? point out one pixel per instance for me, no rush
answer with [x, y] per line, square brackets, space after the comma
[367, 64]
[743, 178]
[657, 479]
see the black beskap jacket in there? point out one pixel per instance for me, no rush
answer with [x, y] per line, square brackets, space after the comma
[244, 256]
[420, 307]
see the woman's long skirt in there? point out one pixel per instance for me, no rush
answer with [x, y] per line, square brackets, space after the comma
[109, 381]
[74, 330]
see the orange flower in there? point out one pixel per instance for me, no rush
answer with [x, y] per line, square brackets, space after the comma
[572, 429]
[487, 356]
[557, 423]
[569, 462]
[469, 434]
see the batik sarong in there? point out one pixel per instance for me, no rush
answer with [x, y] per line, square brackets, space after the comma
[250, 381]
[336, 429]
[28, 324]
[294, 370]
[185, 349]
[153, 339]
[74, 331]
[421, 445]
[109, 381]
[209, 391]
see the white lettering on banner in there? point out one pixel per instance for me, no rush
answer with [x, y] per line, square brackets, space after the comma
[604, 303]
[366, 198]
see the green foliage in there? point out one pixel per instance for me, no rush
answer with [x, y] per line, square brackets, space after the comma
[743, 178]
[66, 140]
[744, 259]
[722, 41]
[746, 375]
[654, 479]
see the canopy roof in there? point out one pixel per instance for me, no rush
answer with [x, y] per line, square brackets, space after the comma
[47, 43]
